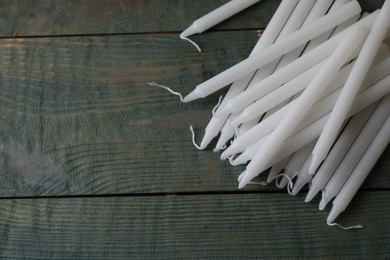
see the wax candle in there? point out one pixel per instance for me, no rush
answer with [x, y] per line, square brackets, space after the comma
[317, 11]
[308, 130]
[340, 148]
[351, 88]
[295, 164]
[274, 51]
[303, 176]
[269, 35]
[295, 68]
[360, 172]
[293, 23]
[216, 16]
[319, 109]
[277, 168]
[351, 159]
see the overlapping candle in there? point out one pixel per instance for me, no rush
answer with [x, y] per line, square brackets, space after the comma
[308, 78]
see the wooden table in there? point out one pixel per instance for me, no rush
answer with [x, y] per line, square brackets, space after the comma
[97, 164]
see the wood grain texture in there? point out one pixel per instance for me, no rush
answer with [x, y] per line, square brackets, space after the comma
[67, 17]
[78, 117]
[191, 227]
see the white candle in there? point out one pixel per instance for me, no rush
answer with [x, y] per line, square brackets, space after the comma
[360, 172]
[290, 71]
[340, 148]
[312, 129]
[351, 88]
[269, 35]
[319, 109]
[319, 9]
[293, 23]
[303, 176]
[303, 103]
[295, 164]
[274, 51]
[351, 159]
[277, 168]
[216, 16]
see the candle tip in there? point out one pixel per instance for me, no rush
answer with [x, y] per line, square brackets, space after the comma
[191, 96]
[312, 192]
[206, 139]
[333, 214]
[314, 164]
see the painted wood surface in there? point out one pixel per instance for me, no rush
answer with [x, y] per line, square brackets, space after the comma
[95, 163]
[191, 227]
[66, 17]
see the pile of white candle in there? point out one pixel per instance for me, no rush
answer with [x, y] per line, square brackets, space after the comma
[312, 100]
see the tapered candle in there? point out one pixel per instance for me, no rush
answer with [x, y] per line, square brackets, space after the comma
[290, 71]
[308, 97]
[269, 35]
[312, 131]
[293, 23]
[274, 51]
[303, 176]
[351, 159]
[277, 168]
[363, 99]
[351, 88]
[294, 86]
[319, 9]
[340, 148]
[216, 16]
[319, 109]
[295, 164]
[360, 172]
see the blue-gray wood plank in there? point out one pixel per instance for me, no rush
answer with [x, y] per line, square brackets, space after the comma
[97, 164]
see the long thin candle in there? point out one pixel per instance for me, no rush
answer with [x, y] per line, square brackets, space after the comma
[363, 99]
[290, 71]
[351, 88]
[318, 10]
[340, 148]
[268, 36]
[320, 108]
[295, 164]
[308, 97]
[216, 16]
[293, 24]
[351, 159]
[294, 40]
[360, 172]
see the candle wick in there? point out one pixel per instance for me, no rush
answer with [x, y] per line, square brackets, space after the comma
[192, 42]
[217, 105]
[290, 182]
[343, 227]
[218, 149]
[152, 83]
[193, 138]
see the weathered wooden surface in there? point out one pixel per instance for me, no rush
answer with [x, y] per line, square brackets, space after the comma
[191, 227]
[66, 17]
[97, 164]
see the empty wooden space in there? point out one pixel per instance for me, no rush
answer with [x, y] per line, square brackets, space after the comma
[95, 163]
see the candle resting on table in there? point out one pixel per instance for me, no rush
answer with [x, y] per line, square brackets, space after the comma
[351, 159]
[269, 35]
[360, 172]
[339, 149]
[290, 71]
[366, 57]
[274, 51]
[293, 23]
